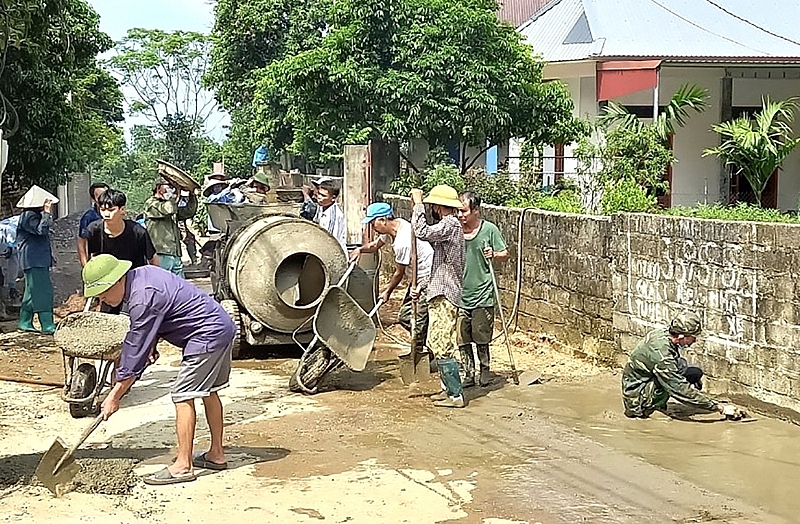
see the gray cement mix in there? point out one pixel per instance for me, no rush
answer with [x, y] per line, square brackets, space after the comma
[101, 476]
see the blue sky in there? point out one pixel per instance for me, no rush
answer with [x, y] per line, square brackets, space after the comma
[117, 16]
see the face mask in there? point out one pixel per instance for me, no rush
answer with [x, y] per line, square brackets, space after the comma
[169, 193]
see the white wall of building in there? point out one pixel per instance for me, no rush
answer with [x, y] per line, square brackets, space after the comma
[749, 92]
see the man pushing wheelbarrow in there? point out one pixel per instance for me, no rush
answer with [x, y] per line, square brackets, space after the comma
[162, 305]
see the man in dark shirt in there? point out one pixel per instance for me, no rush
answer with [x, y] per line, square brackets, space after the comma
[115, 235]
[91, 215]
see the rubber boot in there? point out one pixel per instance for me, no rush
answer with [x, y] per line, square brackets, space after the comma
[46, 320]
[26, 320]
[483, 357]
[468, 363]
[448, 370]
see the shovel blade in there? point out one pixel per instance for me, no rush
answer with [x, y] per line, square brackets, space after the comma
[46, 473]
[414, 367]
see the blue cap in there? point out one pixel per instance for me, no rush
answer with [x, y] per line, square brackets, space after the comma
[377, 210]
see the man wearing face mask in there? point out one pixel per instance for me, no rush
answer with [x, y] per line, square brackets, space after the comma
[162, 214]
[656, 371]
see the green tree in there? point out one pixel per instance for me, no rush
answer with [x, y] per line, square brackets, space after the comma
[440, 70]
[60, 108]
[246, 38]
[165, 70]
[757, 147]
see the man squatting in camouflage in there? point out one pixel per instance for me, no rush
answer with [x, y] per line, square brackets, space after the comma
[656, 371]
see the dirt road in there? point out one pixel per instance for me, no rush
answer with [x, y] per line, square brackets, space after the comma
[368, 450]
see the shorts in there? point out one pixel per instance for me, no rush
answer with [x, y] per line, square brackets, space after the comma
[475, 325]
[201, 375]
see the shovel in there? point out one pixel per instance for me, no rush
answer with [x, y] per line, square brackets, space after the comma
[414, 366]
[58, 467]
[499, 306]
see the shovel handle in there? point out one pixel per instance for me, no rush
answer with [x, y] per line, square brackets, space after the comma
[86, 432]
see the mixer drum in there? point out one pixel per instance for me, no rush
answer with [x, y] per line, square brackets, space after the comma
[278, 268]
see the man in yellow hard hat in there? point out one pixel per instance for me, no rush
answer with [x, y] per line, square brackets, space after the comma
[444, 288]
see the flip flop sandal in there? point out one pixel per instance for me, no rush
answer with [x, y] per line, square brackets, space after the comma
[164, 477]
[200, 461]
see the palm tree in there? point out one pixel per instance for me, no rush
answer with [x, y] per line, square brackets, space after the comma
[688, 96]
[756, 147]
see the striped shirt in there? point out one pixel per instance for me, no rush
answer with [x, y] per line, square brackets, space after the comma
[447, 239]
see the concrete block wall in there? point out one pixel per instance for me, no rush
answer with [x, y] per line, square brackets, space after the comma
[740, 277]
[599, 284]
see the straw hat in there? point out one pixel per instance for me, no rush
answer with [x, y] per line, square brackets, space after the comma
[443, 195]
[35, 197]
[211, 183]
[102, 272]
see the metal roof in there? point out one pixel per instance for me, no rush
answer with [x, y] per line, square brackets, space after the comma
[567, 30]
[517, 12]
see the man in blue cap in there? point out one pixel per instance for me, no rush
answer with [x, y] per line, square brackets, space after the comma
[398, 232]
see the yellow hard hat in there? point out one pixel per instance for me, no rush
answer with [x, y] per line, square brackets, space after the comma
[443, 195]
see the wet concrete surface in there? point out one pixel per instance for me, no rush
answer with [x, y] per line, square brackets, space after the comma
[369, 450]
[758, 461]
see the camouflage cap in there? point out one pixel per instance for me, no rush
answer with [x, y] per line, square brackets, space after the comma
[686, 323]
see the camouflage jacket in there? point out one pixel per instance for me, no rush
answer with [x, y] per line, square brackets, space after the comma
[653, 373]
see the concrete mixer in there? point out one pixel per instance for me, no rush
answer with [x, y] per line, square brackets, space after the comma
[271, 269]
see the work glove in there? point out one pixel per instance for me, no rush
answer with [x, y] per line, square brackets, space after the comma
[733, 412]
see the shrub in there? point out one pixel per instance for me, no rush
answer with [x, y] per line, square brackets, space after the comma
[444, 173]
[740, 212]
[626, 195]
[565, 201]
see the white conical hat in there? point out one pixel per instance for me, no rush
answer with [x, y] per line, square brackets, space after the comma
[35, 197]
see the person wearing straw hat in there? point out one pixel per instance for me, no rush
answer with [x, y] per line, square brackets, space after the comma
[444, 289]
[163, 305]
[36, 258]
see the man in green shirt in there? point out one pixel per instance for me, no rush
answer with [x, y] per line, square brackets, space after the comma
[484, 243]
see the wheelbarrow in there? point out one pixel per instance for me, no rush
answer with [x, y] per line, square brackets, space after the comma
[344, 335]
[90, 343]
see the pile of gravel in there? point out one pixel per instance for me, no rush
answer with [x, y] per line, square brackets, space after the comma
[92, 335]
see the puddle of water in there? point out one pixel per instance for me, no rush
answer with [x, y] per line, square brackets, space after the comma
[758, 462]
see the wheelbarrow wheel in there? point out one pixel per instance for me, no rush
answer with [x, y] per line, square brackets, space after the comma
[232, 309]
[311, 369]
[84, 381]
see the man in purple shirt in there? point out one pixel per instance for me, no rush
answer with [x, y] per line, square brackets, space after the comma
[162, 305]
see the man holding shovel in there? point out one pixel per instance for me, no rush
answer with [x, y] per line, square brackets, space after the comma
[444, 289]
[484, 245]
[163, 305]
[399, 233]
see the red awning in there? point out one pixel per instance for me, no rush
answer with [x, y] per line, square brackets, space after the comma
[615, 79]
